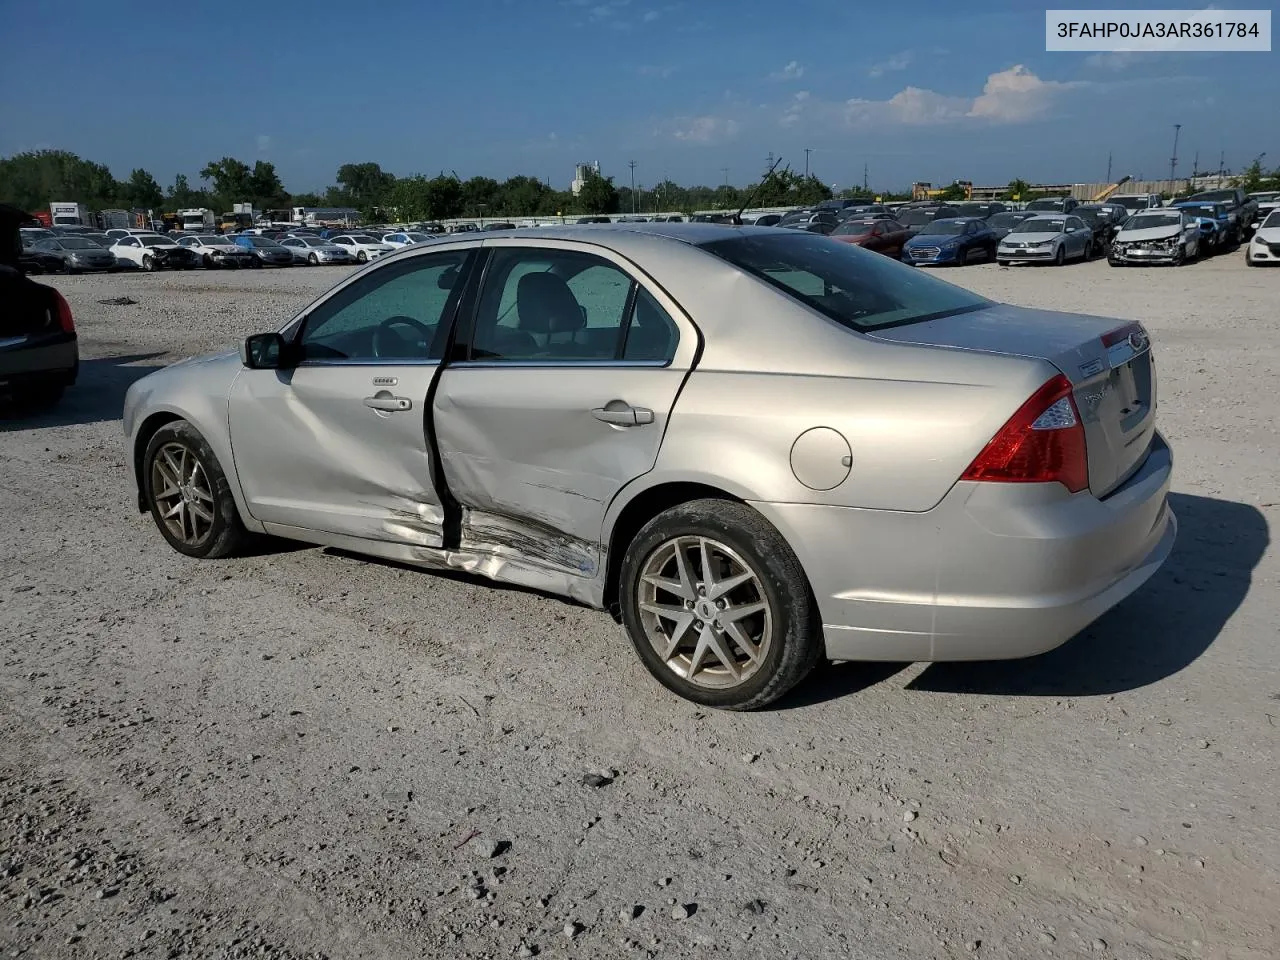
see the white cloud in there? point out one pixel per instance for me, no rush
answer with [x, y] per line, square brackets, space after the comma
[899, 61]
[1114, 60]
[705, 130]
[1016, 95]
[792, 71]
[650, 16]
[264, 143]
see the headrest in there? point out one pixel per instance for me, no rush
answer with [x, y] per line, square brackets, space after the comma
[547, 305]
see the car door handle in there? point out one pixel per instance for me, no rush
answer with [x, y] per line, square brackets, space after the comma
[388, 403]
[622, 414]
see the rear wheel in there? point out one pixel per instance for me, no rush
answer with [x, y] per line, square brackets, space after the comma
[1003, 263]
[718, 607]
[188, 493]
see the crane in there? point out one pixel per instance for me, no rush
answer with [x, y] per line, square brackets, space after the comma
[1108, 191]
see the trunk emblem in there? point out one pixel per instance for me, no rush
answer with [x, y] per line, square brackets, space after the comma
[1138, 341]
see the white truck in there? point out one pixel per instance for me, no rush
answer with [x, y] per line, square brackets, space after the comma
[197, 220]
[70, 215]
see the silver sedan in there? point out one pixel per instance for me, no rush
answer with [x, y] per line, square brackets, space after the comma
[758, 447]
[316, 250]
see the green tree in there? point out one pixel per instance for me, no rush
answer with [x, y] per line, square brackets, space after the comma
[598, 195]
[1018, 190]
[141, 190]
[33, 180]
[181, 196]
[308, 200]
[1251, 179]
[367, 185]
[265, 189]
[230, 179]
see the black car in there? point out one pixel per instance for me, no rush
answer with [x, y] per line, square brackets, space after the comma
[1103, 221]
[813, 220]
[915, 218]
[39, 357]
[499, 225]
[75, 254]
[983, 209]
[1054, 205]
[1002, 223]
[594, 220]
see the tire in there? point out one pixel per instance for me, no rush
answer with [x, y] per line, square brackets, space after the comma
[148, 263]
[1060, 255]
[257, 264]
[313, 260]
[208, 262]
[788, 627]
[1003, 263]
[223, 534]
[1181, 258]
[362, 257]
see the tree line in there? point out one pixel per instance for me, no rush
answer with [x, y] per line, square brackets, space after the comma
[35, 179]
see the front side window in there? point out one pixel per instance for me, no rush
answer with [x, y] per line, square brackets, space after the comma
[393, 313]
[855, 288]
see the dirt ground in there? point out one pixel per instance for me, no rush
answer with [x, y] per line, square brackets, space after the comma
[306, 754]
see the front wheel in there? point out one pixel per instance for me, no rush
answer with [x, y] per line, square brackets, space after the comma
[362, 257]
[148, 263]
[188, 493]
[1060, 255]
[718, 607]
[313, 260]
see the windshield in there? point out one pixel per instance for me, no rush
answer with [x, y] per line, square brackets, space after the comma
[1273, 219]
[263, 242]
[1054, 203]
[212, 241]
[1145, 221]
[1202, 211]
[856, 288]
[156, 241]
[1038, 225]
[852, 228]
[1217, 196]
[945, 228]
[1007, 219]
[914, 218]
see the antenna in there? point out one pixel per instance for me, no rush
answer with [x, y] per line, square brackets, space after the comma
[1173, 161]
[737, 217]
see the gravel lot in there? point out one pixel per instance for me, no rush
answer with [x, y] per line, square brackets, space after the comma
[303, 753]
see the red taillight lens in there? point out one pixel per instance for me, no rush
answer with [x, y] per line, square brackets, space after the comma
[1042, 443]
[63, 309]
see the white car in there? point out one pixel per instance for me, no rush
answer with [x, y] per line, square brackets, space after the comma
[317, 250]
[1157, 235]
[117, 233]
[362, 246]
[406, 239]
[216, 251]
[1264, 247]
[153, 251]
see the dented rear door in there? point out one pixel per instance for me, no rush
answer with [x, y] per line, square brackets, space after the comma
[338, 443]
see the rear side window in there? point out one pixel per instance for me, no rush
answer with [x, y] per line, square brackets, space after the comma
[856, 288]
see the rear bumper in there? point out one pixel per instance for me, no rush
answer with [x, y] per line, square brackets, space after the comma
[995, 571]
[38, 360]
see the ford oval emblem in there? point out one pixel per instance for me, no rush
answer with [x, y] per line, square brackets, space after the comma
[1138, 341]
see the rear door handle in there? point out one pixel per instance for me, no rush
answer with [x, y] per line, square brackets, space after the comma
[388, 403]
[622, 414]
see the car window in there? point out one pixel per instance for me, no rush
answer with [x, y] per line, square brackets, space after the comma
[392, 313]
[290, 242]
[551, 305]
[130, 242]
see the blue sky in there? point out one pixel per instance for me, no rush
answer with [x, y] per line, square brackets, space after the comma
[928, 91]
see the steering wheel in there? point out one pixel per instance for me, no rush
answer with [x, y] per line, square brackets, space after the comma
[382, 334]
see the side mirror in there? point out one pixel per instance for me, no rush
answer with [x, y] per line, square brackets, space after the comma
[263, 351]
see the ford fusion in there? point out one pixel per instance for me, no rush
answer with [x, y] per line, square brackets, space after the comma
[757, 447]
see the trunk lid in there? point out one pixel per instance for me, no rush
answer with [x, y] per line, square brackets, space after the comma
[1108, 362]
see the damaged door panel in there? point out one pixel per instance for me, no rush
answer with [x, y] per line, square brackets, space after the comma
[563, 397]
[337, 441]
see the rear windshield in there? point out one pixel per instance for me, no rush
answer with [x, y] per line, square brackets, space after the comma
[1007, 219]
[914, 218]
[1047, 204]
[853, 228]
[945, 228]
[856, 288]
[1036, 225]
[78, 243]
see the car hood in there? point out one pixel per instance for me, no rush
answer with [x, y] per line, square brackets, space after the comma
[1269, 235]
[1015, 236]
[1148, 233]
[936, 239]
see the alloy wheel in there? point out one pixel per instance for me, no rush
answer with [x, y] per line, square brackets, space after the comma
[182, 494]
[705, 612]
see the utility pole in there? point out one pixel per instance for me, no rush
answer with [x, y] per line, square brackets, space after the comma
[807, 151]
[632, 165]
[725, 171]
[1173, 161]
[1195, 164]
[1222, 162]
[864, 178]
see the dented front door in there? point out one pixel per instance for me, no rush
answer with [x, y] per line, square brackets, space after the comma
[340, 449]
[338, 442]
[563, 398]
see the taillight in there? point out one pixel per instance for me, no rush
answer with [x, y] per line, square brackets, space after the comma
[1042, 443]
[63, 309]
